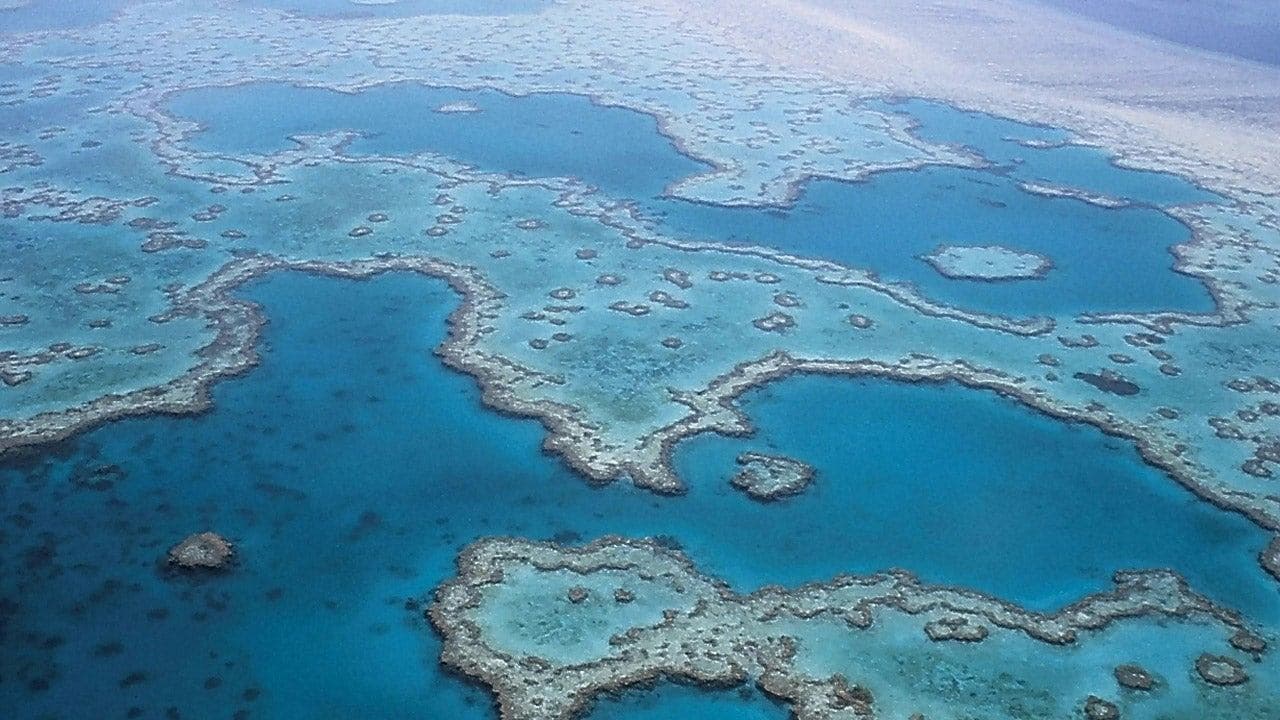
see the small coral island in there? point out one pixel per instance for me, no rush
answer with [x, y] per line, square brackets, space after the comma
[987, 262]
[549, 628]
[771, 477]
[202, 551]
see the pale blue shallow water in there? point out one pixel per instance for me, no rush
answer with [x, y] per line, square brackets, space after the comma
[1105, 259]
[403, 8]
[351, 467]
[64, 14]
[58, 14]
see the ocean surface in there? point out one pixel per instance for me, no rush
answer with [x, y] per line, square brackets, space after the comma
[1105, 259]
[1246, 29]
[351, 467]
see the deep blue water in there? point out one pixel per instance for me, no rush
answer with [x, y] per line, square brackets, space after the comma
[351, 467]
[1248, 29]
[1105, 259]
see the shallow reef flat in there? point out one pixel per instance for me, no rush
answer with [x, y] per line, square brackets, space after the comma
[552, 628]
[987, 262]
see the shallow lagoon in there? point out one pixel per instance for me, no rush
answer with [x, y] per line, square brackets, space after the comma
[351, 466]
[1105, 259]
[543, 135]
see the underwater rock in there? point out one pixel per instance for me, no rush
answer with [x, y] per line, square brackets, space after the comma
[787, 300]
[578, 594]
[667, 300]
[1095, 708]
[632, 309]
[1270, 557]
[862, 322]
[778, 322]
[100, 477]
[1109, 381]
[677, 277]
[206, 550]
[14, 378]
[1134, 677]
[1245, 641]
[1084, 341]
[1220, 670]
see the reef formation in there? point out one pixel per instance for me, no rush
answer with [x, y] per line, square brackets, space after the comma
[550, 629]
[987, 262]
[118, 299]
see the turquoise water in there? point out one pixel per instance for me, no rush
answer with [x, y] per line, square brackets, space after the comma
[1105, 259]
[1248, 29]
[936, 479]
[544, 135]
[351, 467]
[681, 702]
